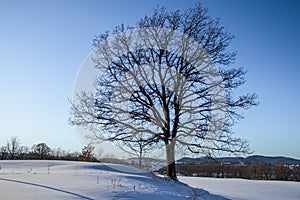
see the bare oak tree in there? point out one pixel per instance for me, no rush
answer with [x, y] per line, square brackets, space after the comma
[170, 78]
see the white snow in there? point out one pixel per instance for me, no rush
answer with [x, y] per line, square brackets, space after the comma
[29, 180]
[246, 189]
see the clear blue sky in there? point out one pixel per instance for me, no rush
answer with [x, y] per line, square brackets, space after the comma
[43, 43]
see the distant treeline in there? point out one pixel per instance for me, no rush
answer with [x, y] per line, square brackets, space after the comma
[256, 171]
[54, 154]
[13, 150]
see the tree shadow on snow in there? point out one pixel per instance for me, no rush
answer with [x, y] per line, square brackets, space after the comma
[46, 187]
[117, 169]
[160, 186]
[164, 188]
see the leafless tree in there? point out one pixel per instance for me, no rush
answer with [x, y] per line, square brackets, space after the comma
[87, 153]
[137, 146]
[4, 154]
[57, 152]
[170, 78]
[99, 152]
[41, 150]
[13, 148]
[24, 152]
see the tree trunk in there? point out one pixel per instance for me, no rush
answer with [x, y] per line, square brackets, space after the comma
[140, 155]
[140, 159]
[170, 154]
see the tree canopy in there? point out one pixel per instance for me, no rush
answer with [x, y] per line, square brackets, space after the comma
[171, 78]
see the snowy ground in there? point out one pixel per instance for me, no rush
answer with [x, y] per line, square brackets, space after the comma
[246, 189]
[78, 180]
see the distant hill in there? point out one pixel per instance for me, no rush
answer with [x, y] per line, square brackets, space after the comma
[249, 159]
[273, 160]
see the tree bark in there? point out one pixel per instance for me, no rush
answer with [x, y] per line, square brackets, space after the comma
[170, 155]
[140, 157]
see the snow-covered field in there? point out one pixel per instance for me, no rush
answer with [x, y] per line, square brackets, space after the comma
[79, 180]
[246, 189]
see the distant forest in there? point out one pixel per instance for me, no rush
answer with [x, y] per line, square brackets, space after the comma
[253, 170]
[13, 150]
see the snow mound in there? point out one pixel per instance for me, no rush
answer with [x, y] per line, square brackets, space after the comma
[81, 180]
[30, 180]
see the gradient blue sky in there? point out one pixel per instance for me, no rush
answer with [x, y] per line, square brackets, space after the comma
[43, 43]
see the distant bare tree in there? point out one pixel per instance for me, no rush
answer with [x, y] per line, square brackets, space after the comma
[99, 153]
[168, 78]
[13, 147]
[56, 152]
[41, 150]
[4, 154]
[24, 152]
[87, 153]
[138, 146]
